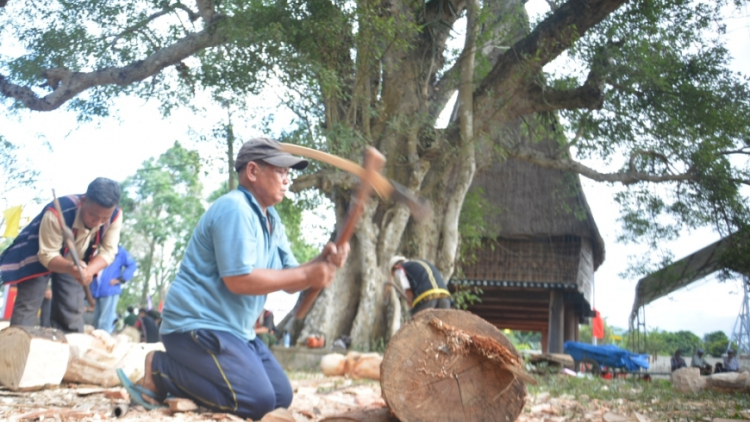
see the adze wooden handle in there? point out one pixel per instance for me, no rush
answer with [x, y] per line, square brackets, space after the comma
[387, 189]
[373, 164]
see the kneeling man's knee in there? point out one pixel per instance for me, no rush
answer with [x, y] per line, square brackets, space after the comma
[260, 403]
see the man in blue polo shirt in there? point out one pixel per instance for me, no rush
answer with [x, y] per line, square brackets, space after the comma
[238, 254]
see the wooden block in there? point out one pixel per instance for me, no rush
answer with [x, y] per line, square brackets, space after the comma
[181, 405]
[32, 357]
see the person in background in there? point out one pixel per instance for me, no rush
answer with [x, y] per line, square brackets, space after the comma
[39, 255]
[422, 282]
[731, 363]
[147, 324]
[131, 318]
[677, 361]
[107, 287]
[698, 361]
[265, 329]
[156, 316]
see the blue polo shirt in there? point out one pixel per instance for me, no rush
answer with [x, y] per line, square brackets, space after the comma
[231, 238]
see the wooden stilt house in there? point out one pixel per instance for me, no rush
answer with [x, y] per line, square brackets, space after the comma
[537, 272]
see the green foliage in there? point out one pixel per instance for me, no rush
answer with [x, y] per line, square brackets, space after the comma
[524, 340]
[291, 214]
[612, 335]
[656, 398]
[659, 342]
[716, 343]
[161, 204]
[465, 296]
[16, 174]
[671, 106]
[475, 225]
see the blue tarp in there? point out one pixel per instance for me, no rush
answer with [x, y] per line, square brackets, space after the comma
[607, 355]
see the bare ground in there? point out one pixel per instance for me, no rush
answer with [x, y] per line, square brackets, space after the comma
[556, 399]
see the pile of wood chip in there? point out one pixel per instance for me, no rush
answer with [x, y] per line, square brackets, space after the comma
[314, 399]
[317, 397]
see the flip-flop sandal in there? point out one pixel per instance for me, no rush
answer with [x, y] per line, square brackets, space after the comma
[135, 391]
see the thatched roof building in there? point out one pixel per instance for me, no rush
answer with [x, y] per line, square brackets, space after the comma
[537, 269]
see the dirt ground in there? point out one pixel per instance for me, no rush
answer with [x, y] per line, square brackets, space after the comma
[556, 399]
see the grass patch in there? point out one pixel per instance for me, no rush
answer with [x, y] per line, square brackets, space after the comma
[655, 399]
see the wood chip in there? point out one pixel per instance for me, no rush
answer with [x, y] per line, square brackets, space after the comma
[117, 394]
[224, 417]
[56, 413]
[89, 391]
[278, 415]
[181, 405]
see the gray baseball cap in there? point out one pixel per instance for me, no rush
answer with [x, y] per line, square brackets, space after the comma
[267, 150]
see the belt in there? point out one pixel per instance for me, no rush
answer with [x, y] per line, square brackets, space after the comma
[431, 294]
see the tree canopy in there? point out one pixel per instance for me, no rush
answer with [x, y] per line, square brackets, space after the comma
[648, 99]
[161, 204]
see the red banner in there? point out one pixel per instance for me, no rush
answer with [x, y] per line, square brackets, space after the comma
[597, 326]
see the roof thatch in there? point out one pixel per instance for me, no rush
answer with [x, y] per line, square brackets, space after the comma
[535, 202]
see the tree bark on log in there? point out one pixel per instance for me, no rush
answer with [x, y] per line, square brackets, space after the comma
[32, 357]
[381, 414]
[425, 377]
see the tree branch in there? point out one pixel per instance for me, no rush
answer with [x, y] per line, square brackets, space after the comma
[192, 15]
[516, 69]
[67, 84]
[629, 177]
[206, 10]
[587, 96]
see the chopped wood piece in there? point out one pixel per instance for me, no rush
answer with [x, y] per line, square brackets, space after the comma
[89, 391]
[428, 375]
[56, 413]
[224, 417]
[32, 357]
[117, 394]
[278, 415]
[181, 405]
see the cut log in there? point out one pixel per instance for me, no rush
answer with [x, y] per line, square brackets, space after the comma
[728, 382]
[429, 374]
[94, 358]
[333, 364]
[354, 364]
[32, 357]
[364, 365]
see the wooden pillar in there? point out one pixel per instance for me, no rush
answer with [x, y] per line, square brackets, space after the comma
[571, 323]
[545, 342]
[556, 321]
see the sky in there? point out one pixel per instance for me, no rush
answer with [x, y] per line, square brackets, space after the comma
[69, 155]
